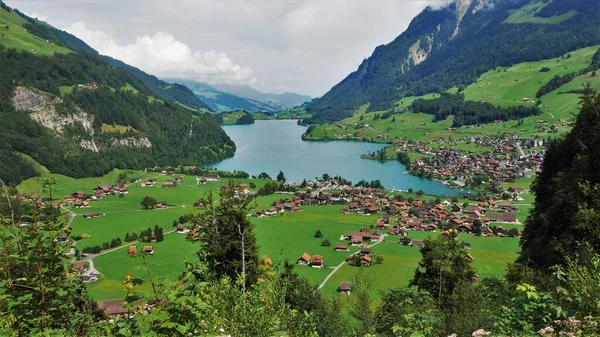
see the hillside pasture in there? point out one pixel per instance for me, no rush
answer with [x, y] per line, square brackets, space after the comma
[13, 35]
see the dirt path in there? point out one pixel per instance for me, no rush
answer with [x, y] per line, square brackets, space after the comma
[341, 264]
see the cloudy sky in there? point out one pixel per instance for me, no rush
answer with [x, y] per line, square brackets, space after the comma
[274, 46]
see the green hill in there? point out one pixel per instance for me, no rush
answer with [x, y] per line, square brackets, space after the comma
[453, 46]
[31, 34]
[502, 87]
[56, 106]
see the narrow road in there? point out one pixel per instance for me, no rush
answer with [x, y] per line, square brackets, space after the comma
[520, 149]
[90, 257]
[341, 264]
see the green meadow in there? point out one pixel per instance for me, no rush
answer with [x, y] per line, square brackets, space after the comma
[13, 35]
[282, 237]
[527, 14]
[165, 264]
[502, 86]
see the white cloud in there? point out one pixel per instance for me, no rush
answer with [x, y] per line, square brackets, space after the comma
[164, 56]
[37, 15]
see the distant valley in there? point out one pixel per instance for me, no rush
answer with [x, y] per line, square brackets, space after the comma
[225, 97]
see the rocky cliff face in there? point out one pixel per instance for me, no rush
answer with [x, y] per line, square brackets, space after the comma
[42, 108]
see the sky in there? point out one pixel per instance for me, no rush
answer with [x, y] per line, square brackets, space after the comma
[274, 46]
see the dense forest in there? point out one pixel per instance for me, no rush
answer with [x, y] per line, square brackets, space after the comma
[470, 112]
[177, 134]
[565, 218]
[483, 42]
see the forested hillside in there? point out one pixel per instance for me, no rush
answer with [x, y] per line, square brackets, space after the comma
[78, 115]
[452, 46]
[161, 89]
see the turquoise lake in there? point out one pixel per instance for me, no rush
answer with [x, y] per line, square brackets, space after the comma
[271, 146]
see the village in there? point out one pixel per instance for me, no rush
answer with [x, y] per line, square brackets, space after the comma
[508, 159]
[393, 217]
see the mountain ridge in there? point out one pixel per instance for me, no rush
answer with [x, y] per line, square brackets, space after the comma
[453, 45]
[288, 99]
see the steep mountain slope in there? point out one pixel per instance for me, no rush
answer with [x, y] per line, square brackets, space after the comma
[454, 45]
[288, 99]
[221, 101]
[59, 38]
[78, 115]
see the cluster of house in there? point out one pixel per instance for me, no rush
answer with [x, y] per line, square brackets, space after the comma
[279, 206]
[132, 250]
[506, 161]
[81, 268]
[420, 215]
[81, 199]
[315, 261]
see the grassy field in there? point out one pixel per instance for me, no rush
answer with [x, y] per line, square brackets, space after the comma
[527, 14]
[399, 262]
[503, 86]
[13, 35]
[165, 264]
[231, 118]
[115, 128]
[286, 236]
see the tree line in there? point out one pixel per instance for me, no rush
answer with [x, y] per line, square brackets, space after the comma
[470, 112]
[558, 81]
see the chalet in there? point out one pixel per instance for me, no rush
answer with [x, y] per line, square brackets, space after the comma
[149, 249]
[113, 307]
[356, 240]
[341, 248]
[372, 209]
[182, 229]
[365, 260]
[345, 288]
[365, 251]
[516, 189]
[89, 278]
[295, 209]
[304, 259]
[161, 204]
[211, 177]
[317, 261]
[79, 267]
[132, 250]
[180, 179]
[168, 184]
[503, 218]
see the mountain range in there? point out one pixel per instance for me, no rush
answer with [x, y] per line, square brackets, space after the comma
[452, 46]
[227, 97]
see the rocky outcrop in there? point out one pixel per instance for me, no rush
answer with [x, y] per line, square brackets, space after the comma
[142, 142]
[43, 110]
[461, 9]
[27, 99]
[135, 142]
